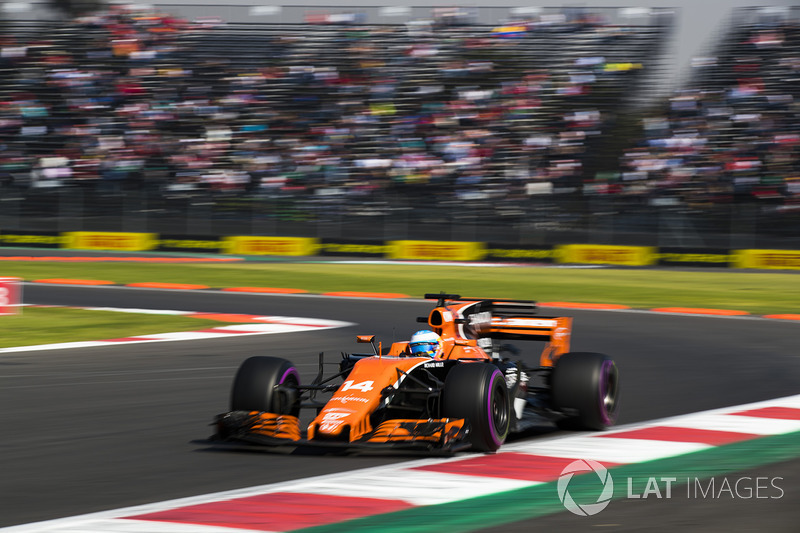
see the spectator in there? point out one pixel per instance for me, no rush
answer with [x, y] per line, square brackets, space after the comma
[127, 100]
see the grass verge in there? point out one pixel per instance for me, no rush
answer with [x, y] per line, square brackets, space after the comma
[45, 325]
[754, 292]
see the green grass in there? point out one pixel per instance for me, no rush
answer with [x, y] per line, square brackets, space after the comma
[755, 292]
[45, 325]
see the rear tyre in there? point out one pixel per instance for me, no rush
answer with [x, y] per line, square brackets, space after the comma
[586, 385]
[266, 384]
[477, 392]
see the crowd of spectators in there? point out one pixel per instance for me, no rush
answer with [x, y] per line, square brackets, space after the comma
[134, 100]
[733, 133]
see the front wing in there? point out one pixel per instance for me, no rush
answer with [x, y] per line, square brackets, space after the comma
[271, 429]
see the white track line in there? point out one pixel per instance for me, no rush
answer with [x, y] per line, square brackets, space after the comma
[611, 449]
[417, 487]
[262, 325]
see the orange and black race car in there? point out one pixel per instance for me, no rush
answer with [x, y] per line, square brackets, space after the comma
[469, 394]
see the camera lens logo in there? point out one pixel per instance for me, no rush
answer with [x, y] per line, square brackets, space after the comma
[580, 467]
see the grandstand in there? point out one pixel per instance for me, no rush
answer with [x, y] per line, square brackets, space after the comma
[495, 124]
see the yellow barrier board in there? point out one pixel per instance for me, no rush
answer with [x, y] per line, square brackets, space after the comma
[604, 254]
[296, 246]
[437, 250]
[114, 241]
[671, 257]
[12, 239]
[767, 259]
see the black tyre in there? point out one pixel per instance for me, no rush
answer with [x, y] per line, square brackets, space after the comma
[586, 385]
[478, 393]
[266, 384]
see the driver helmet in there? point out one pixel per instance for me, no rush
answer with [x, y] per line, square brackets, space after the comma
[425, 343]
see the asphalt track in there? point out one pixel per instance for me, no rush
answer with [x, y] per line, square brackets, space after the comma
[92, 429]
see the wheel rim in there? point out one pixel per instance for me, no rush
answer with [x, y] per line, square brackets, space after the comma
[498, 411]
[608, 391]
[289, 379]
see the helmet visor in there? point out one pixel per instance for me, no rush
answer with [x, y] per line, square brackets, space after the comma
[423, 348]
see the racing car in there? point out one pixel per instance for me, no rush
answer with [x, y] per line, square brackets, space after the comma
[470, 395]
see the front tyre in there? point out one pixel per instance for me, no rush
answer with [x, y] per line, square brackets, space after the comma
[267, 384]
[477, 392]
[586, 385]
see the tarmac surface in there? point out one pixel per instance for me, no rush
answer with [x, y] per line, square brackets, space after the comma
[101, 428]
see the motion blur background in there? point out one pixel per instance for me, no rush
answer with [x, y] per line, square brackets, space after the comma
[648, 123]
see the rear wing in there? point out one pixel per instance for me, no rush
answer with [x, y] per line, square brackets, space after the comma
[476, 318]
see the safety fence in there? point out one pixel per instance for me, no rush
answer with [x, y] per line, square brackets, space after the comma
[538, 220]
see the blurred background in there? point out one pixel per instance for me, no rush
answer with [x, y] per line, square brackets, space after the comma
[636, 123]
